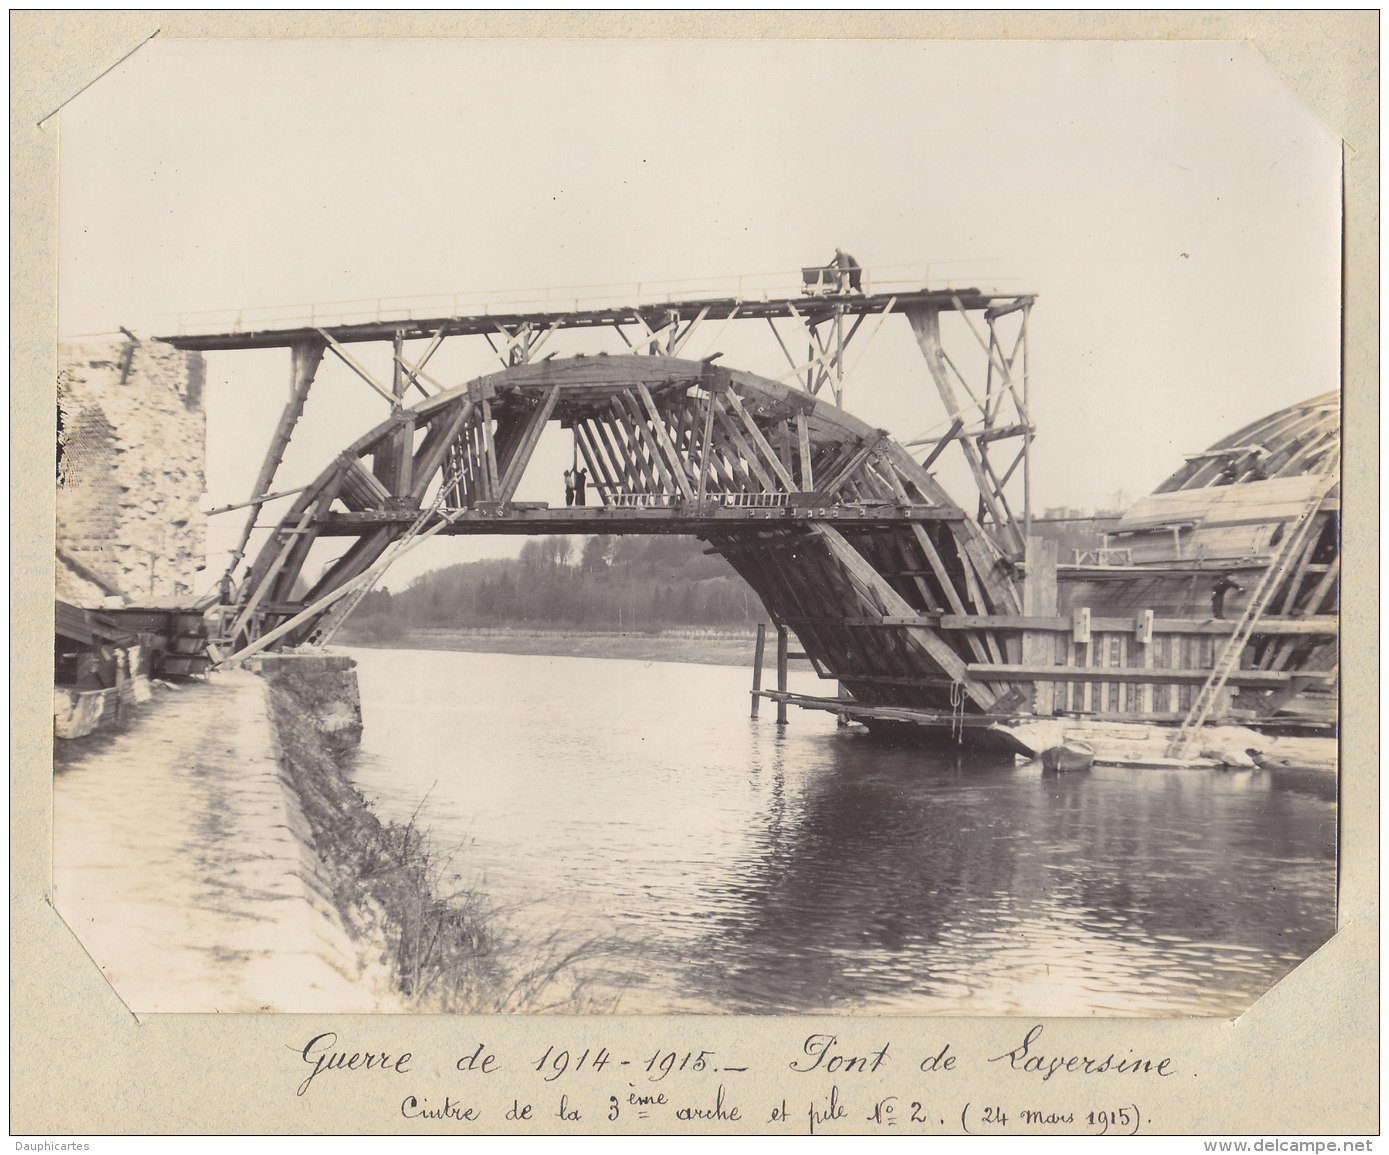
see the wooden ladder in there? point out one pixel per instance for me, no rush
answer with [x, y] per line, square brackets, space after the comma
[1185, 740]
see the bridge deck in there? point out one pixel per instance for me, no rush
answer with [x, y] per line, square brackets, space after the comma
[534, 519]
[488, 319]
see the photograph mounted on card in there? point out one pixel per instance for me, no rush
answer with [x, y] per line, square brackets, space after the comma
[839, 585]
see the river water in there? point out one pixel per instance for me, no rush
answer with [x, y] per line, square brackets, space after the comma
[729, 865]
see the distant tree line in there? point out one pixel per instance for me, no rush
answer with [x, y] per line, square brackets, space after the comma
[611, 583]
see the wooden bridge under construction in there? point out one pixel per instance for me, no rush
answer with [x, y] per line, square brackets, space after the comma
[923, 612]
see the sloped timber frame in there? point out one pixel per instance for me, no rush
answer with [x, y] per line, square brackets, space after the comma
[890, 587]
[711, 450]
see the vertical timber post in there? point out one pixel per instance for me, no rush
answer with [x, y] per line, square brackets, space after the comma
[782, 651]
[1027, 431]
[1039, 599]
[757, 657]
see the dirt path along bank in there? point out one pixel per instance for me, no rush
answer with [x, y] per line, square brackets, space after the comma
[185, 867]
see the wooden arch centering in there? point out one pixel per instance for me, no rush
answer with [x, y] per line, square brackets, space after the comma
[840, 531]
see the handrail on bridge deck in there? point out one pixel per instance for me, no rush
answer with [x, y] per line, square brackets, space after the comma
[672, 500]
[570, 298]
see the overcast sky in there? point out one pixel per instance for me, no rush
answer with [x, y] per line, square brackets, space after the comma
[1174, 205]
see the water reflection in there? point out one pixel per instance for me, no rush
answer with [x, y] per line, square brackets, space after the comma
[929, 882]
[812, 869]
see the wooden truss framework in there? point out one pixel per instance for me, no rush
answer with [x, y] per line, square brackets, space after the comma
[778, 480]
[847, 538]
[988, 408]
[1299, 440]
[986, 405]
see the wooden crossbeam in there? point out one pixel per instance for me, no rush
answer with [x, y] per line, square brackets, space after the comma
[514, 340]
[649, 472]
[405, 455]
[359, 556]
[263, 586]
[923, 587]
[597, 466]
[658, 426]
[305, 357]
[974, 547]
[347, 359]
[864, 345]
[977, 596]
[925, 323]
[994, 355]
[760, 441]
[1319, 595]
[878, 595]
[997, 485]
[791, 360]
[490, 482]
[624, 430]
[530, 438]
[414, 372]
[681, 339]
[726, 467]
[362, 489]
[443, 429]
[643, 446]
[652, 340]
[610, 466]
[803, 447]
[1092, 675]
[326, 482]
[455, 466]
[1321, 626]
[654, 451]
[618, 455]
[855, 459]
[477, 455]
[282, 583]
[943, 579]
[744, 453]
[706, 467]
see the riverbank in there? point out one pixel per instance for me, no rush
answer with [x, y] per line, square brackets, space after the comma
[700, 647]
[212, 856]
[393, 894]
[446, 947]
[186, 866]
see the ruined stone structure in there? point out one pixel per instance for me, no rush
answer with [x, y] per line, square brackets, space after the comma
[131, 442]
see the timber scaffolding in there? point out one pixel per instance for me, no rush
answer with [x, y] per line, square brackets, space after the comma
[923, 614]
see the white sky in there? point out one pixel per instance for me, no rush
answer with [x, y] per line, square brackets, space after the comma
[1174, 205]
